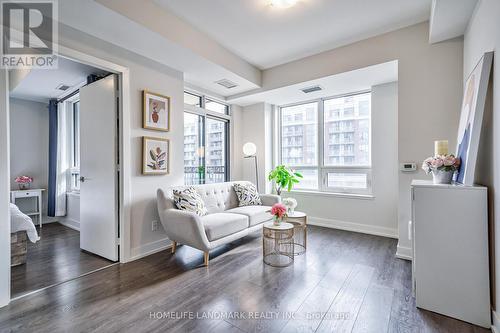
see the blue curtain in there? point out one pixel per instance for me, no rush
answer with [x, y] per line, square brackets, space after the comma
[51, 206]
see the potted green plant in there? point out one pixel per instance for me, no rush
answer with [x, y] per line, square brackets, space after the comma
[284, 178]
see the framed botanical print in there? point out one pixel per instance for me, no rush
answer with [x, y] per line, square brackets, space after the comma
[156, 111]
[155, 156]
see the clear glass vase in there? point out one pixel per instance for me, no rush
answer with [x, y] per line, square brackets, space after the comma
[277, 220]
[24, 186]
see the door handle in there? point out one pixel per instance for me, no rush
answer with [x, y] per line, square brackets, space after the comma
[83, 179]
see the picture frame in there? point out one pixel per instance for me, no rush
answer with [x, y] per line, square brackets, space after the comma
[471, 119]
[156, 111]
[155, 156]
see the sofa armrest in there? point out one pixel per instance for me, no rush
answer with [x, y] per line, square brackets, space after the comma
[270, 199]
[184, 227]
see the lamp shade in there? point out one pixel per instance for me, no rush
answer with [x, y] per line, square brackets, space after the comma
[249, 149]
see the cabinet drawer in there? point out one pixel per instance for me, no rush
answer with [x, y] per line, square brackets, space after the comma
[25, 194]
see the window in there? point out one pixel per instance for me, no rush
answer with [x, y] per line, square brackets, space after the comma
[331, 147]
[75, 146]
[206, 141]
[299, 148]
[216, 106]
[191, 99]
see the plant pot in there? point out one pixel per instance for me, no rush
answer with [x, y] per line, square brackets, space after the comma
[442, 176]
[24, 186]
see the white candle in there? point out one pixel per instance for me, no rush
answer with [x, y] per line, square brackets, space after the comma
[441, 147]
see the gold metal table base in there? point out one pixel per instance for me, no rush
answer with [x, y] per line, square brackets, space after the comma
[299, 221]
[277, 244]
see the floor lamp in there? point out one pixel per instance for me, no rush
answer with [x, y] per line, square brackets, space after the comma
[250, 151]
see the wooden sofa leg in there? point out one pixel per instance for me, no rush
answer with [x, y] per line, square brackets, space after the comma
[174, 246]
[206, 257]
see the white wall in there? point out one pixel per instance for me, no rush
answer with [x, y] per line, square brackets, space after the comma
[377, 215]
[4, 190]
[430, 92]
[29, 144]
[72, 218]
[144, 74]
[257, 128]
[236, 142]
[483, 35]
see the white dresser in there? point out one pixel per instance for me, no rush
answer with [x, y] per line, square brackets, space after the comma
[450, 251]
[31, 193]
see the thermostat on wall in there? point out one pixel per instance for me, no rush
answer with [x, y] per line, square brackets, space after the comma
[408, 167]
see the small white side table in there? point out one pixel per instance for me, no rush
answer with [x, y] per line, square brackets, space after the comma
[31, 193]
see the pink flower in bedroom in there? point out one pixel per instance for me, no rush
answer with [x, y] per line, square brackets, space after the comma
[24, 179]
[24, 182]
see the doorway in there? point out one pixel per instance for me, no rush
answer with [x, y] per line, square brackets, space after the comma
[60, 228]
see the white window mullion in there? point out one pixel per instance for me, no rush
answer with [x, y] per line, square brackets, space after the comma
[321, 144]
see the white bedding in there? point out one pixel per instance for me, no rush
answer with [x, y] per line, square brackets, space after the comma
[20, 221]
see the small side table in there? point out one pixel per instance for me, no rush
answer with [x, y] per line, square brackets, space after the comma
[31, 193]
[277, 244]
[299, 221]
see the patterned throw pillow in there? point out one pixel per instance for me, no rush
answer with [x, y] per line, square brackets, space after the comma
[247, 194]
[189, 200]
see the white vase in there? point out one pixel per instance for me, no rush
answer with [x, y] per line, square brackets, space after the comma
[442, 176]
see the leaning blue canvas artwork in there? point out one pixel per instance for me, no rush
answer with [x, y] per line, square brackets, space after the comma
[471, 119]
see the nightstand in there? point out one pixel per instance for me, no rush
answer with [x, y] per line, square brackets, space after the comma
[32, 193]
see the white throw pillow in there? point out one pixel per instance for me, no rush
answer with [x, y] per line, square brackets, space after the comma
[247, 194]
[189, 200]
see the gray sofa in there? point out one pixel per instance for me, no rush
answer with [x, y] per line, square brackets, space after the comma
[224, 223]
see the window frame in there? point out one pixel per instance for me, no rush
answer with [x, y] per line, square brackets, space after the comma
[74, 141]
[208, 114]
[321, 168]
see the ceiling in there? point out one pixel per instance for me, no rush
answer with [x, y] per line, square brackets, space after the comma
[333, 85]
[40, 84]
[267, 36]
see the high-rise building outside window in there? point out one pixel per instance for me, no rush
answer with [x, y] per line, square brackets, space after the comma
[329, 142]
[206, 140]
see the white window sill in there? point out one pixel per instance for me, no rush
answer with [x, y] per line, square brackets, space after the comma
[334, 194]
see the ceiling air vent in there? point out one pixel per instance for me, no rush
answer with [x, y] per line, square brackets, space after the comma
[62, 87]
[226, 83]
[309, 90]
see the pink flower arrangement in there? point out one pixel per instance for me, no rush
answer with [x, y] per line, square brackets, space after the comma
[278, 210]
[24, 180]
[441, 162]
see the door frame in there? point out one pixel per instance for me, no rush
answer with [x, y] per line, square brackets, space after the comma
[124, 151]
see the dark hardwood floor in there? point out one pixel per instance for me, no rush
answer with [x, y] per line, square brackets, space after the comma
[55, 258]
[346, 282]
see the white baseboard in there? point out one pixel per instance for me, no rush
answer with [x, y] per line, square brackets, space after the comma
[495, 326]
[70, 223]
[149, 248]
[404, 252]
[355, 227]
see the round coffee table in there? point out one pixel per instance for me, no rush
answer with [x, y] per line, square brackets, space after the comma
[299, 221]
[277, 244]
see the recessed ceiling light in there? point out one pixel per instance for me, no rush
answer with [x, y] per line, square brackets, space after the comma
[283, 3]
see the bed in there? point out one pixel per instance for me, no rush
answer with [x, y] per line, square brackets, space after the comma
[22, 229]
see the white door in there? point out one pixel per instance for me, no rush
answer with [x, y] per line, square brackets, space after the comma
[98, 168]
